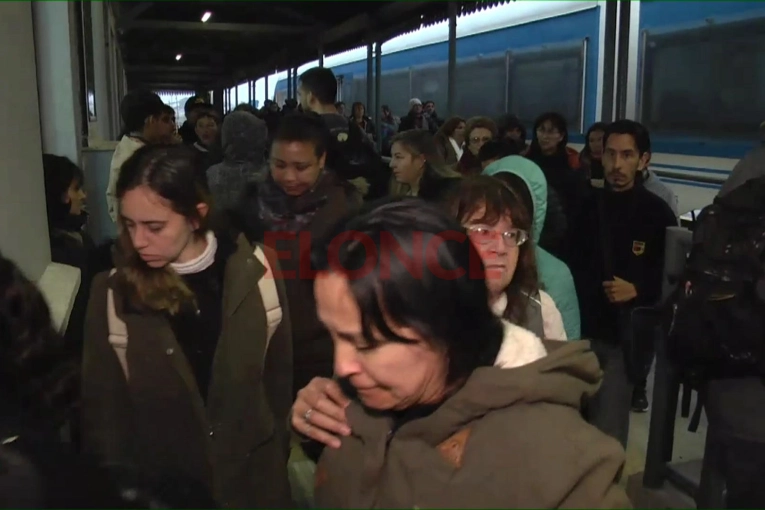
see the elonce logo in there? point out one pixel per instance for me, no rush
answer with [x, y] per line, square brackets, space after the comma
[424, 255]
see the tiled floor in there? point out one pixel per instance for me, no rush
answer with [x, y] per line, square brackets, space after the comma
[687, 445]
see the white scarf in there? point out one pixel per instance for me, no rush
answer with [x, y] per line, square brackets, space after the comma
[457, 149]
[202, 262]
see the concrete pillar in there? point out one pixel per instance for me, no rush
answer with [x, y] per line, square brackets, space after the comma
[23, 220]
[451, 92]
[56, 49]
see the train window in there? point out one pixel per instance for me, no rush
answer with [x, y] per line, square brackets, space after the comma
[395, 91]
[706, 82]
[547, 79]
[480, 85]
[359, 91]
[430, 83]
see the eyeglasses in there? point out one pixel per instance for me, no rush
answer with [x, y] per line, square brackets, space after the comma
[512, 238]
[481, 139]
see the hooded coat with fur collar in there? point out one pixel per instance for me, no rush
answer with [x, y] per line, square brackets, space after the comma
[511, 437]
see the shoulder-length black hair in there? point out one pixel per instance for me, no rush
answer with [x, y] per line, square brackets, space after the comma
[425, 275]
[60, 172]
[559, 122]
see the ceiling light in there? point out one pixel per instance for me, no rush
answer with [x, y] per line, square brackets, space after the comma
[206, 16]
[178, 56]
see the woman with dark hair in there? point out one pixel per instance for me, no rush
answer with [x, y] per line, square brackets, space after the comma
[549, 150]
[499, 226]
[69, 243]
[450, 140]
[510, 127]
[187, 369]
[300, 200]
[443, 404]
[359, 116]
[528, 182]
[418, 168]
[590, 159]
[208, 146]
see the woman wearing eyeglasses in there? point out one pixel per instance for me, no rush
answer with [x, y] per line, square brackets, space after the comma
[478, 131]
[499, 226]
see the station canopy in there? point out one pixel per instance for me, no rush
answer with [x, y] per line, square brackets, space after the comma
[247, 40]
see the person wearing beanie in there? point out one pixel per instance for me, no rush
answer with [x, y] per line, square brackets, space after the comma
[415, 118]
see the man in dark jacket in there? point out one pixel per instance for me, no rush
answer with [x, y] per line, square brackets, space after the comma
[351, 154]
[193, 105]
[617, 263]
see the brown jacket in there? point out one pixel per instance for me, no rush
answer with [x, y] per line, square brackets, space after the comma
[238, 445]
[510, 438]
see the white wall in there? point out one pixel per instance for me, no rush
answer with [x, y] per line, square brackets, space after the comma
[23, 223]
[55, 45]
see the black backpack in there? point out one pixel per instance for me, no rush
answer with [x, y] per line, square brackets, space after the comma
[351, 155]
[716, 319]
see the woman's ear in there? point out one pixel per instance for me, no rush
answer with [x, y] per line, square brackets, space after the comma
[203, 209]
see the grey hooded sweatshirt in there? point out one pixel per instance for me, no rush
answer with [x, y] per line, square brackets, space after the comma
[243, 137]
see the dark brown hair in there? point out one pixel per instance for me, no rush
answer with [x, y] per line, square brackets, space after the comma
[474, 123]
[37, 370]
[170, 172]
[448, 128]
[496, 200]
[419, 142]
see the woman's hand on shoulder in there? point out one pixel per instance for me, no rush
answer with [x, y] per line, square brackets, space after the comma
[319, 412]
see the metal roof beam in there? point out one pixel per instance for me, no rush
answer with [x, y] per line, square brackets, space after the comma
[171, 86]
[198, 26]
[170, 69]
[129, 14]
[183, 77]
[360, 23]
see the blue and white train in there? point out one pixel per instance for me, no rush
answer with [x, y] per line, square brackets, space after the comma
[696, 76]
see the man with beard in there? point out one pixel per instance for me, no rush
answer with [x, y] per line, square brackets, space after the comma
[617, 258]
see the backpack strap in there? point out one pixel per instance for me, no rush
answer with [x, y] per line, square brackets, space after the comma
[270, 295]
[118, 334]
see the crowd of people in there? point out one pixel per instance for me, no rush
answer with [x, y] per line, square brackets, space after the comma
[241, 312]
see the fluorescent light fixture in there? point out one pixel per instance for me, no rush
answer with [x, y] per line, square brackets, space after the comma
[206, 16]
[178, 56]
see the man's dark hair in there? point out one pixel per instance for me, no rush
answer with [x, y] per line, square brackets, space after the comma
[304, 127]
[510, 122]
[137, 106]
[451, 313]
[321, 82]
[498, 149]
[638, 132]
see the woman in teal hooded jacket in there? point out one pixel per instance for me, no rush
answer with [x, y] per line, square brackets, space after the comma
[554, 275]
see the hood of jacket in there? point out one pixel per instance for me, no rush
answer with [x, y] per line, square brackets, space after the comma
[525, 373]
[751, 166]
[243, 137]
[535, 180]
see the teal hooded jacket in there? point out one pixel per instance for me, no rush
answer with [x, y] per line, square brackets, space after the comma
[554, 275]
